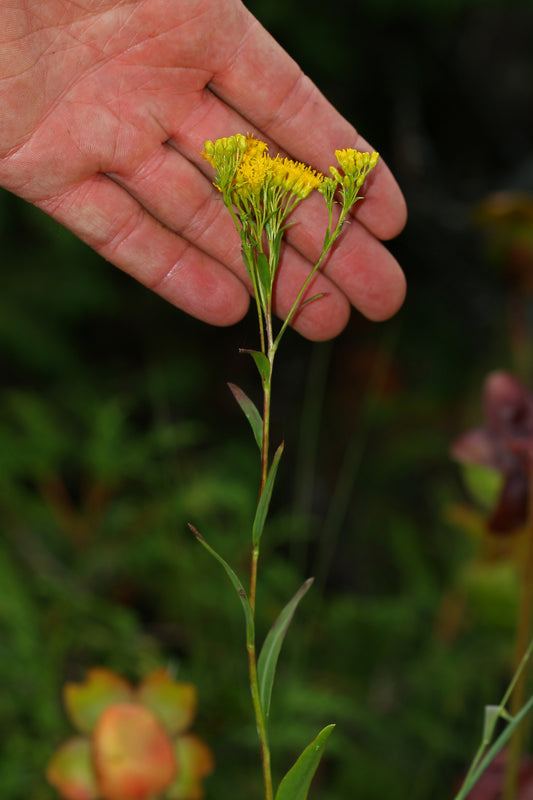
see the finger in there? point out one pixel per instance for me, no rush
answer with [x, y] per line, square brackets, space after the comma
[269, 88]
[112, 222]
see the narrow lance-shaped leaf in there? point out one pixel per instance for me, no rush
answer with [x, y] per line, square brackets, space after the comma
[263, 272]
[264, 500]
[251, 413]
[295, 785]
[246, 255]
[268, 658]
[235, 581]
[311, 300]
[261, 362]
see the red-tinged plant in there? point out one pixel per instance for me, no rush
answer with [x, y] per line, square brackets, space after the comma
[134, 742]
[504, 444]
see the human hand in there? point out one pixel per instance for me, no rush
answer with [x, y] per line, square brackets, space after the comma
[106, 105]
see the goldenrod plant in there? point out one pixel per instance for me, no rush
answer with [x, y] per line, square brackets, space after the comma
[260, 193]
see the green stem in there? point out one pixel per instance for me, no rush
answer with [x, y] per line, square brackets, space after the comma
[269, 346]
[255, 287]
[260, 721]
[254, 563]
[267, 393]
[299, 296]
[328, 244]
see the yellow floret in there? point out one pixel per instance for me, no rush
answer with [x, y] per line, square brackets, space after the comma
[353, 162]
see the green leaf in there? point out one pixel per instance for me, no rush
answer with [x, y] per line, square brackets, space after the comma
[234, 580]
[295, 785]
[311, 300]
[268, 658]
[251, 413]
[246, 256]
[264, 500]
[491, 719]
[263, 273]
[261, 362]
[483, 483]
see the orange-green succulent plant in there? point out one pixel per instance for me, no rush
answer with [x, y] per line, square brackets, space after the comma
[132, 743]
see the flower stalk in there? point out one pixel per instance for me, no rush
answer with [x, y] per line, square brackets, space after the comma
[260, 192]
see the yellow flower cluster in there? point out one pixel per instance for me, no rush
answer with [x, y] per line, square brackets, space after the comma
[253, 172]
[225, 149]
[225, 156]
[245, 171]
[355, 166]
[245, 168]
[352, 162]
[260, 193]
[295, 177]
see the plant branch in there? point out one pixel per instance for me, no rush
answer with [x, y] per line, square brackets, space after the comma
[523, 634]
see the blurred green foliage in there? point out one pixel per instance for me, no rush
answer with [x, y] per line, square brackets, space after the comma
[117, 429]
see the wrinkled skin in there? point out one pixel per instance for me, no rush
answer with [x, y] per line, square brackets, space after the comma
[106, 105]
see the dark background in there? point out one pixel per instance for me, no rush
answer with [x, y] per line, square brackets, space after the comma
[117, 428]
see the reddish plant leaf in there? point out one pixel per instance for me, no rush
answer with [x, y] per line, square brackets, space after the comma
[86, 701]
[173, 702]
[195, 762]
[71, 771]
[505, 444]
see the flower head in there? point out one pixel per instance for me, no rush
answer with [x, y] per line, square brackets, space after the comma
[354, 162]
[261, 192]
[224, 150]
[252, 175]
[355, 165]
[225, 156]
[294, 177]
[245, 168]
[134, 743]
[504, 444]
[354, 168]
[254, 147]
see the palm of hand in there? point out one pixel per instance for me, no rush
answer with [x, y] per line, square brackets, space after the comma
[107, 107]
[109, 86]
